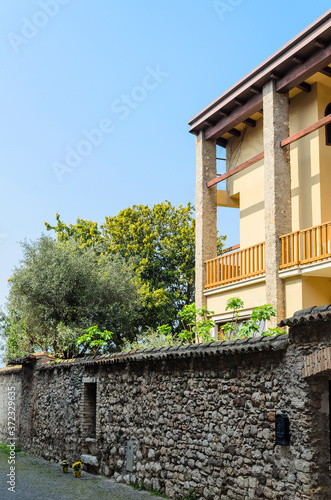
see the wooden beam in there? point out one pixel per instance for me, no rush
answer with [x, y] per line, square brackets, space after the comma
[235, 132]
[255, 90]
[237, 116]
[239, 102]
[250, 122]
[304, 86]
[231, 249]
[320, 44]
[235, 170]
[221, 142]
[297, 60]
[224, 113]
[306, 131]
[326, 71]
[300, 73]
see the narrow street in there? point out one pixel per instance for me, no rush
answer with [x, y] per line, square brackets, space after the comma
[37, 479]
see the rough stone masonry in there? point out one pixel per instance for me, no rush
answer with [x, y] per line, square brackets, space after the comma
[199, 420]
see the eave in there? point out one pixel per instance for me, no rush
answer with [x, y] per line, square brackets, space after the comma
[305, 55]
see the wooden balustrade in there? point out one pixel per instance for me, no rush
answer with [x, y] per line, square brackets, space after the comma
[306, 246]
[298, 248]
[235, 266]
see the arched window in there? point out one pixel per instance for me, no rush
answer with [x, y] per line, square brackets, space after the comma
[328, 126]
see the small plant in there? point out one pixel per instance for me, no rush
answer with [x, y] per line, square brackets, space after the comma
[93, 340]
[271, 332]
[4, 448]
[251, 327]
[157, 493]
[196, 325]
[151, 338]
[195, 328]
[231, 329]
[56, 360]
[141, 487]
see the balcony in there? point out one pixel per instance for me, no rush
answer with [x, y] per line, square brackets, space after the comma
[309, 246]
[300, 248]
[235, 266]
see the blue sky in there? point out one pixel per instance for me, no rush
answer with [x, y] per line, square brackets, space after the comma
[127, 75]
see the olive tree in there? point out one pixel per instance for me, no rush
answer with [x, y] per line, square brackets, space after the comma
[59, 289]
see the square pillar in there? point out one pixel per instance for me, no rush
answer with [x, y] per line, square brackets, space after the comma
[277, 188]
[206, 213]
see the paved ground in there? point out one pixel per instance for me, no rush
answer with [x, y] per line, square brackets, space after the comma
[37, 479]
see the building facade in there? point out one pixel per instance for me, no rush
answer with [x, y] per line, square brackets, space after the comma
[275, 127]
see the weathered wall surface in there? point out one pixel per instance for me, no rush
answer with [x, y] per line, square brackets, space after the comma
[201, 419]
[10, 382]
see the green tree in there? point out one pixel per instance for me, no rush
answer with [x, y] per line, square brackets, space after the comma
[94, 341]
[160, 241]
[85, 233]
[59, 290]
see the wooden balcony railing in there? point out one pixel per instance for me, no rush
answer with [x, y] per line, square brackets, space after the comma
[235, 266]
[307, 246]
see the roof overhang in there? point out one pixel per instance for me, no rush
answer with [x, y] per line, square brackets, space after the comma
[305, 55]
[39, 357]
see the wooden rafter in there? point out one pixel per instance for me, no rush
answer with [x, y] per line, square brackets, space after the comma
[311, 50]
[235, 132]
[250, 122]
[238, 115]
[300, 73]
[297, 60]
[326, 71]
[320, 44]
[221, 142]
[304, 86]
[294, 78]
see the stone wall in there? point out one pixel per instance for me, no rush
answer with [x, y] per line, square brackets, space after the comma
[10, 382]
[201, 418]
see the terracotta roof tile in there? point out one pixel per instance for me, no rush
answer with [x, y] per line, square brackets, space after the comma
[308, 315]
[257, 344]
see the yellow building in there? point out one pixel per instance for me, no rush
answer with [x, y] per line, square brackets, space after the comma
[275, 124]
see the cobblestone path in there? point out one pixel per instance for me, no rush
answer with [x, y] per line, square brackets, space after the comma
[37, 479]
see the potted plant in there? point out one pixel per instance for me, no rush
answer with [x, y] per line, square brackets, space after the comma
[64, 465]
[77, 469]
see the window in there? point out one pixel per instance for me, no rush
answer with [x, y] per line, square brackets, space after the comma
[328, 126]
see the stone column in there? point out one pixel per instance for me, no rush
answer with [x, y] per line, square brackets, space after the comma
[277, 189]
[206, 213]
